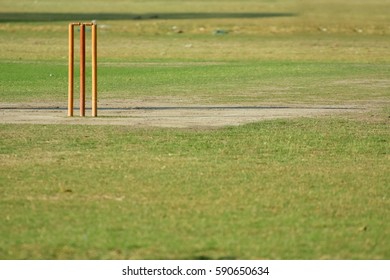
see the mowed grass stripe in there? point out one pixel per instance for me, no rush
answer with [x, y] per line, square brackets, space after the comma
[230, 82]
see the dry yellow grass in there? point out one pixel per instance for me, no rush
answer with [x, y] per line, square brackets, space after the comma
[305, 30]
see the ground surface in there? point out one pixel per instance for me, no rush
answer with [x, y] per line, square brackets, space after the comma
[227, 130]
[162, 114]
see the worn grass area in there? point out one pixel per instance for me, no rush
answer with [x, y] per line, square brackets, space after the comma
[286, 189]
[311, 189]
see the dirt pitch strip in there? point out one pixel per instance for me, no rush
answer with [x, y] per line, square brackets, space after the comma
[157, 114]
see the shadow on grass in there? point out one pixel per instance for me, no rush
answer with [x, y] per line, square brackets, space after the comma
[47, 17]
[205, 258]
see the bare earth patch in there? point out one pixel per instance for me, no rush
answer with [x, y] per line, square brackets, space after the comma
[161, 114]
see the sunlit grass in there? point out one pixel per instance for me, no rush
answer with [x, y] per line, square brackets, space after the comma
[307, 188]
[286, 189]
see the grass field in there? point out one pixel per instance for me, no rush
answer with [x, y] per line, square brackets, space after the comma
[302, 188]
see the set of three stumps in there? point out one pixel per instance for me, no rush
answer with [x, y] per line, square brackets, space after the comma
[82, 27]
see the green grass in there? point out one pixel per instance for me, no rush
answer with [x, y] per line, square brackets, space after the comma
[227, 82]
[307, 188]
